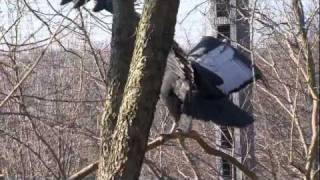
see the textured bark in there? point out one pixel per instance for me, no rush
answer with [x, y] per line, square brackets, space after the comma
[122, 46]
[124, 157]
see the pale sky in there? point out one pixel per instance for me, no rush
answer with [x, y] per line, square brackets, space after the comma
[191, 22]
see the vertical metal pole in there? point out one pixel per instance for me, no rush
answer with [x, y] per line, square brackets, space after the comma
[231, 25]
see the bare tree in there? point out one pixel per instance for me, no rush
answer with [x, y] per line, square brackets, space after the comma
[123, 158]
[54, 77]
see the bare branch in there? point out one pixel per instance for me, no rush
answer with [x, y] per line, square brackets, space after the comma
[163, 138]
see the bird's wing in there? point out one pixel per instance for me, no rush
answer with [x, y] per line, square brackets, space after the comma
[219, 70]
[63, 2]
[221, 111]
[210, 77]
[207, 81]
[206, 44]
[226, 62]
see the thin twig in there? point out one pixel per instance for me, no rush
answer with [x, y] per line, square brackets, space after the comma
[29, 71]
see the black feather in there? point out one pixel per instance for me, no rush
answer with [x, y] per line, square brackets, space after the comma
[220, 111]
[192, 89]
[206, 44]
[79, 3]
[103, 4]
[207, 81]
[63, 2]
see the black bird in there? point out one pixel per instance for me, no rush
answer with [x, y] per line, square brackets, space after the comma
[199, 87]
[217, 69]
[99, 4]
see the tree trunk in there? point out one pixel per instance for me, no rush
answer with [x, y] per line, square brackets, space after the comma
[122, 46]
[124, 157]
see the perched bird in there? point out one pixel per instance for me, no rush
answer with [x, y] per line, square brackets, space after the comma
[99, 4]
[216, 70]
[198, 87]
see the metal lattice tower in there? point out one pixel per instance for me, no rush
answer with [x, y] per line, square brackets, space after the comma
[226, 22]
